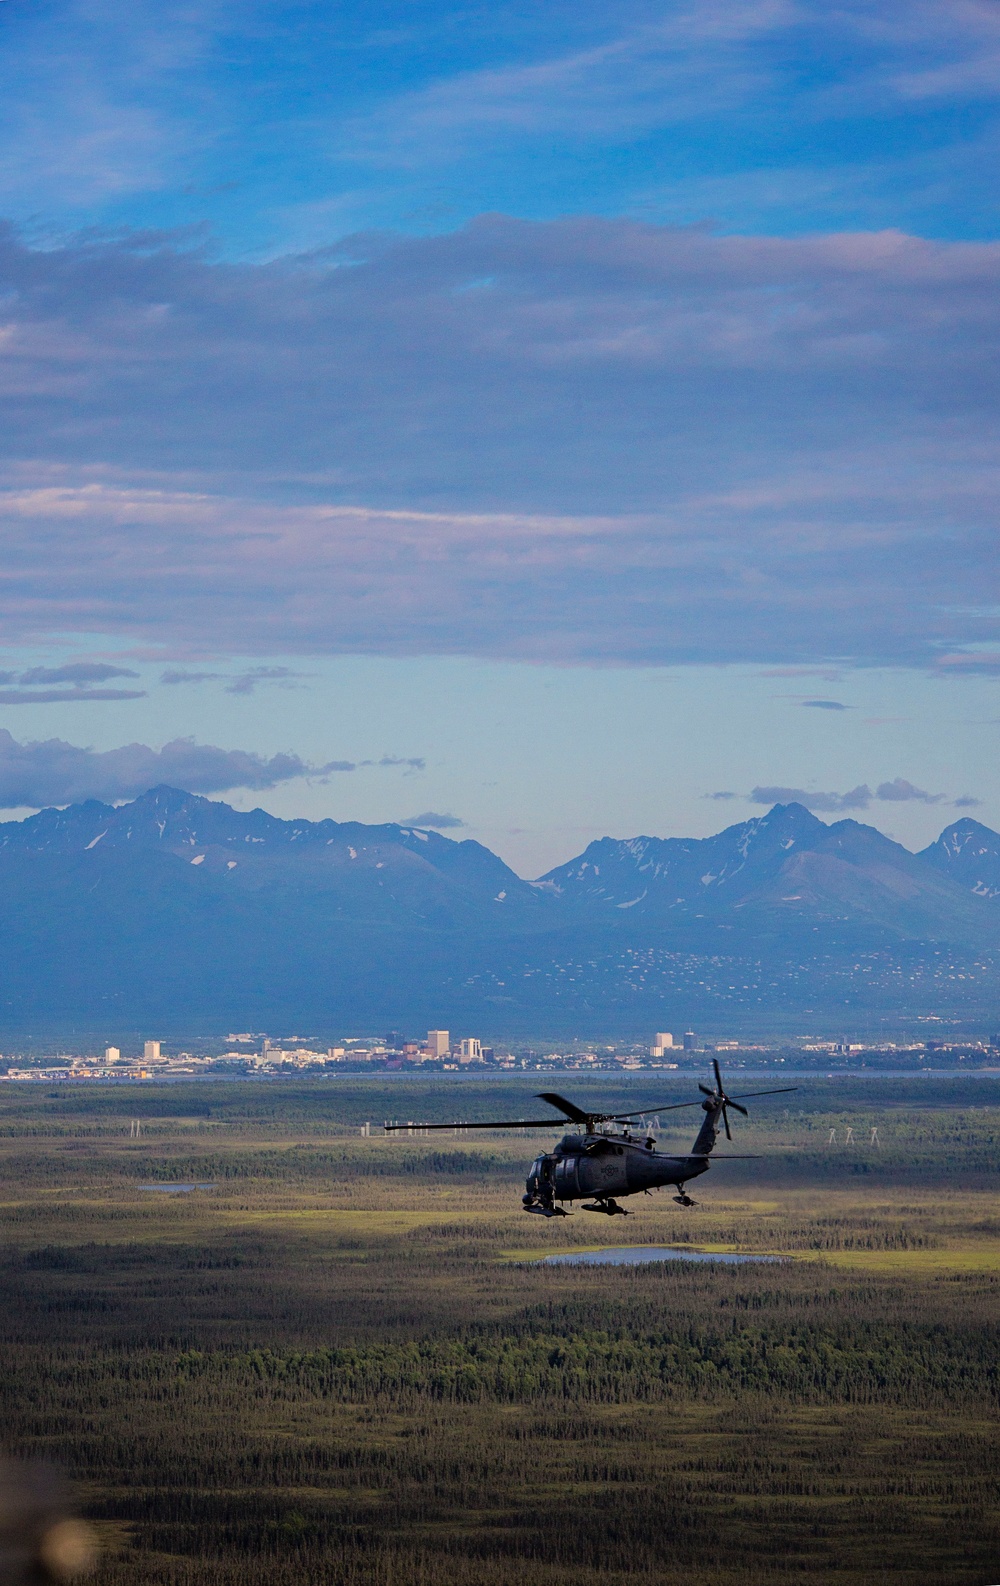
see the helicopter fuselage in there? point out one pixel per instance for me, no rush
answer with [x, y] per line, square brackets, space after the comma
[604, 1167]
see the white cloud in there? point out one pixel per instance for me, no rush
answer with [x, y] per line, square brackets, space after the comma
[249, 681]
[82, 674]
[79, 672]
[34, 775]
[858, 798]
[695, 62]
[173, 677]
[436, 822]
[691, 63]
[56, 772]
[898, 791]
[66, 696]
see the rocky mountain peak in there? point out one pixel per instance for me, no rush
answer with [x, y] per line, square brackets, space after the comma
[969, 853]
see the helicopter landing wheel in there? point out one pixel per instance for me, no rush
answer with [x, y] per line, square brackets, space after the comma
[684, 1199]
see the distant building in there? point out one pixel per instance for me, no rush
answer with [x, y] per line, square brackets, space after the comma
[470, 1051]
[438, 1043]
[690, 1041]
[151, 1051]
[662, 1042]
[112, 1054]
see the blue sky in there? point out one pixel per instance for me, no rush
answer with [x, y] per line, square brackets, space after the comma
[283, 126]
[559, 415]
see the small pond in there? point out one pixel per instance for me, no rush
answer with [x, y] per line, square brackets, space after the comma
[635, 1255]
[175, 1189]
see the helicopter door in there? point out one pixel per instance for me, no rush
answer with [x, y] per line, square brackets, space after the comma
[604, 1172]
[565, 1178]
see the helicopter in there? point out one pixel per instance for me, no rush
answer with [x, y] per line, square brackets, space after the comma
[602, 1164]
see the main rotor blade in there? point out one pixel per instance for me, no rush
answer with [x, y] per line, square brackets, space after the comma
[748, 1095]
[705, 1090]
[569, 1109]
[718, 1075]
[725, 1119]
[576, 1114]
[504, 1123]
[620, 1117]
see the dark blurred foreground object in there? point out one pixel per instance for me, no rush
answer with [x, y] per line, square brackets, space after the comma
[41, 1541]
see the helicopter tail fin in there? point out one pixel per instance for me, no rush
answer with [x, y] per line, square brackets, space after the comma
[708, 1133]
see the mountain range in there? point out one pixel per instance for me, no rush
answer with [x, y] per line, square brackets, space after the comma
[180, 912]
[788, 863]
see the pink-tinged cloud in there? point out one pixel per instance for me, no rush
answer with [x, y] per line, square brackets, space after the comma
[972, 663]
[584, 441]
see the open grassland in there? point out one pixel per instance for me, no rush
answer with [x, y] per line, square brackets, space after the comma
[343, 1363]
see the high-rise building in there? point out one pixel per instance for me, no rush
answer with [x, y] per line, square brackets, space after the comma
[690, 1041]
[112, 1054]
[438, 1043]
[470, 1051]
[151, 1051]
[662, 1042]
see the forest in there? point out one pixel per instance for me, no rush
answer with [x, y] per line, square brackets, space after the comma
[345, 1360]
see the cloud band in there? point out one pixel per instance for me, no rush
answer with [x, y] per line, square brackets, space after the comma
[810, 427]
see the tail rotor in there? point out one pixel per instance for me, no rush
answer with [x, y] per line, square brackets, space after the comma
[718, 1097]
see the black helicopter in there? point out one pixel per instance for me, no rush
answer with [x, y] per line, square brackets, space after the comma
[602, 1164]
